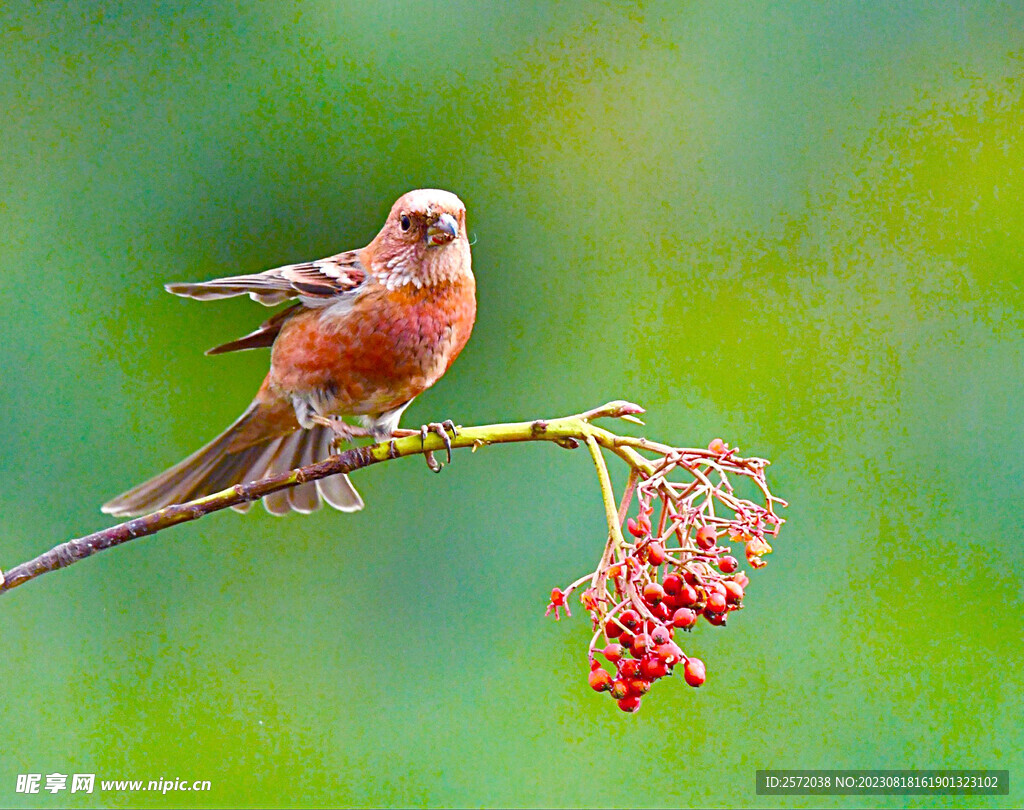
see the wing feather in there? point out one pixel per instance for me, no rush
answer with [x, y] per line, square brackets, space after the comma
[316, 284]
[260, 338]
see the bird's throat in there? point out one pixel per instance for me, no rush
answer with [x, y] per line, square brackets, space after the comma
[421, 265]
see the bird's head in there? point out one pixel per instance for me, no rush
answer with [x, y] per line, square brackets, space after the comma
[424, 238]
[427, 215]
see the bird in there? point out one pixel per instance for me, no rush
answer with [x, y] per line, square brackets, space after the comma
[368, 331]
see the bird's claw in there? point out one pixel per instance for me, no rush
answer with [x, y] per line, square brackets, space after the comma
[449, 425]
[433, 463]
[441, 429]
[392, 449]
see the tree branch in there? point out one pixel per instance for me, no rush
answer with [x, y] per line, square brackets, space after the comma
[674, 568]
[567, 431]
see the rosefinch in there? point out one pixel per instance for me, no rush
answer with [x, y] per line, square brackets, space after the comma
[372, 329]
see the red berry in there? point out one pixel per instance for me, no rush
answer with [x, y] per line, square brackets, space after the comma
[656, 554]
[619, 688]
[669, 653]
[639, 686]
[690, 578]
[728, 564]
[641, 644]
[687, 596]
[653, 593]
[660, 635]
[653, 667]
[694, 671]
[717, 587]
[626, 639]
[742, 580]
[662, 611]
[684, 618]
[733, 592]
[672, 584]
[600, 680]
[557, 597]
[717, 619]
[612, 629]
[716, 602]
[613, 652]
[629, 669]
[629, 619]
[629, 704]
[705, 537]
[717, 446]
[638, 528]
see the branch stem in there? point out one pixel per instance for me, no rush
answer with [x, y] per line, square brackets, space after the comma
[566, 431]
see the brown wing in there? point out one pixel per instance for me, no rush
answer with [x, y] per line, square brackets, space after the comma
[259, 338]
[316, 284]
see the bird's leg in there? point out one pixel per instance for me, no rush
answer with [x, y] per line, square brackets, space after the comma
[343, 432]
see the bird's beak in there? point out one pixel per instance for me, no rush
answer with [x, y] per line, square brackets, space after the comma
[443, 230]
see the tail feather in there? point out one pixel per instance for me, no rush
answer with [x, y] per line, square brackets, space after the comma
[284, 459]
[305, 498]
[169, 486]
[223, 463]
[337, 490]
[228, 473]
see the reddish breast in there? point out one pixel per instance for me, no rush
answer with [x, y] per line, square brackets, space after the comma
[388, 348]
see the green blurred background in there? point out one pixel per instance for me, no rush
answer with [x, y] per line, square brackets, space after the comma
[796, 226]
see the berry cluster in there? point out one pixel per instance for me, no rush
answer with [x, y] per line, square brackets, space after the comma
[661, 578]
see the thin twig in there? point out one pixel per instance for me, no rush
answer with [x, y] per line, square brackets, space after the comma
[607, 494]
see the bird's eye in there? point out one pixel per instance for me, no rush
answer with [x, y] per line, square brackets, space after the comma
[406, 224]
